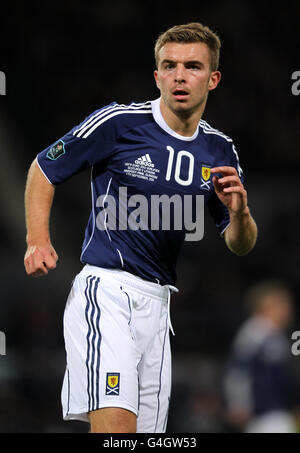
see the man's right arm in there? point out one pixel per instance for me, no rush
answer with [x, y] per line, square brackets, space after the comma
[78, 150]
[40, 256]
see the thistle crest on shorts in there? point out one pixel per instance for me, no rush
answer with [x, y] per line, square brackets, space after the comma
[112, 383]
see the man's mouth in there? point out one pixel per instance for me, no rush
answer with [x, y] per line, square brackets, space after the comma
[180, 94]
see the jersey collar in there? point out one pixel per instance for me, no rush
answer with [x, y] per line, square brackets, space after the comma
[159, 119]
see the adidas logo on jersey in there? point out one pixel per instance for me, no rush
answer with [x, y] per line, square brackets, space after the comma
[142, 168]
[144, 160]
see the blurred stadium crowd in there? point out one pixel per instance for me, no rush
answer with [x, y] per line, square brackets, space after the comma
[63, 60]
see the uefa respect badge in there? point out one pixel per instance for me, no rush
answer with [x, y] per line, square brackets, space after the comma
[57, 150]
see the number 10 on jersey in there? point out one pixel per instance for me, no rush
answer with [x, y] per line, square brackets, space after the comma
[179, 156]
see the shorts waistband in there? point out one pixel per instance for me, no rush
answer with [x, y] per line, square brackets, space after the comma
[125, 278]
[162, 292]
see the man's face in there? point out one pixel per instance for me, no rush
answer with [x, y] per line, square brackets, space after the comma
[184, 76]
[279, 306]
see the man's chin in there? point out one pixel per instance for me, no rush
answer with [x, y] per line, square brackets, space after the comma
[183, 107]
[187, 107]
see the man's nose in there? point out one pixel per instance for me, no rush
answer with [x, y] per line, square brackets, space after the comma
[180, 74]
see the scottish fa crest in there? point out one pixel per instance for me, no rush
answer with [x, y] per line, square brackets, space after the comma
[112, 383]
[205, 177]
[56, 150]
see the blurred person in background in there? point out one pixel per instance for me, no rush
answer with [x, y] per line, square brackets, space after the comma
[258, 388]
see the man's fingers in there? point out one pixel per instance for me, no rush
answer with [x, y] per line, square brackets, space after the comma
[46, 261]
[50, 262]
[37, 262]
[38, 266]
[234, 189]
[35, 268]
[54, 255]
[40, 273]
[216, 183]
[224, 170]
[229, 180]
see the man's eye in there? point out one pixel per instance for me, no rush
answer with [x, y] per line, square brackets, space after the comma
[168, 66]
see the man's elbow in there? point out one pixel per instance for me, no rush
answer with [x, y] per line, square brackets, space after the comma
[241, 249]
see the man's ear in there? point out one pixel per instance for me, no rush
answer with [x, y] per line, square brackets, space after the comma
[156, 78]
[214, 80]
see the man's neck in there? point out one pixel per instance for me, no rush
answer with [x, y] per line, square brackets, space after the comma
[185, 125]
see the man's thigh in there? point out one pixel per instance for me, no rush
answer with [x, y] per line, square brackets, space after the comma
[155, 382]
[101, 355]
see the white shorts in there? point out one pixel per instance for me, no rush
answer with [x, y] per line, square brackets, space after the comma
[116, 330]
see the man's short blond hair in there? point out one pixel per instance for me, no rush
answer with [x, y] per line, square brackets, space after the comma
[188, 33]
[264, 291]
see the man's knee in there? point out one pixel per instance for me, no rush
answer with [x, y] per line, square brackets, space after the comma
[112, 420]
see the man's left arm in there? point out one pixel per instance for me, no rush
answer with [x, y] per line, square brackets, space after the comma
[241, 234]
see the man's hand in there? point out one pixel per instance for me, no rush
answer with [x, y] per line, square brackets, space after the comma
[39, 259]
[230, 189]
[241, 234]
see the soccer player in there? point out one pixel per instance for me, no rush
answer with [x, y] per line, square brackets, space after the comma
[116, 320]
[259, 392]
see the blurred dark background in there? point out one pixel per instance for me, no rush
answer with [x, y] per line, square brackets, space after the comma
[62, 61]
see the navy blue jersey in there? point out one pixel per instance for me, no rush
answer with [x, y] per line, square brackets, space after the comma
[131, 147]
[258, 375]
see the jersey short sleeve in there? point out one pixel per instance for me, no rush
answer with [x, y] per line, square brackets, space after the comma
[90, 142]
[217, 209]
